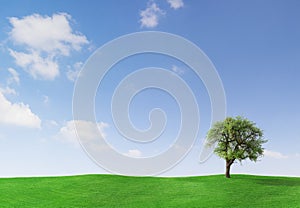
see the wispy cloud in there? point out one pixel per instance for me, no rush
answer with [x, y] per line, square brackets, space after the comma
[44, 39]
[50, 124]
[150, 16]
[177, 70]
[276, 155]
[134, 153]
[17, 114]
[8, 91]
[14, 77]
[73, 72]
[46, 99]
[11, 80]
[89, 131]
[175, 4]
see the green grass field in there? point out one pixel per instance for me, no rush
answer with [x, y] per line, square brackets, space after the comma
[121, 191]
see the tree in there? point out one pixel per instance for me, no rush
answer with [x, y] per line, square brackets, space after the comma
[237, 139]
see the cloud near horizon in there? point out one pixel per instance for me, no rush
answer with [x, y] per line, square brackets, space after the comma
[275, 155]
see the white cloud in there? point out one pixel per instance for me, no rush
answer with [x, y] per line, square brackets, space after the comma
[88, 130]
[150, 16]
[44, 33]
[134, 153]
[45, 39]
[276, 155]
[37, 66]
[175, 4]
[17, 114]
[14, 78]
[72, 74]
[177, 70]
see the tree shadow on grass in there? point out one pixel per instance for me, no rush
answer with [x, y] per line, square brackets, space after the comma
[278, 182]
[270, 180]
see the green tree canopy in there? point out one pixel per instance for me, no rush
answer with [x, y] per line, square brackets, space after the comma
[237, 139]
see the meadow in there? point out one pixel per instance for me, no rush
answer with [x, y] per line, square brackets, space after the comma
[123, 191]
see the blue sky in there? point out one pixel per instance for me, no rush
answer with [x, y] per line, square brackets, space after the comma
[254, 46]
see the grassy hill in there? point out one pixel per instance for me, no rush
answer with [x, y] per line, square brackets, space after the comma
[121, 191]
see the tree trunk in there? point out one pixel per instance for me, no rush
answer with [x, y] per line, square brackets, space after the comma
[228, 164]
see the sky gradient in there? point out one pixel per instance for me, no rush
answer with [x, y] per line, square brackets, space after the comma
[254, 46]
